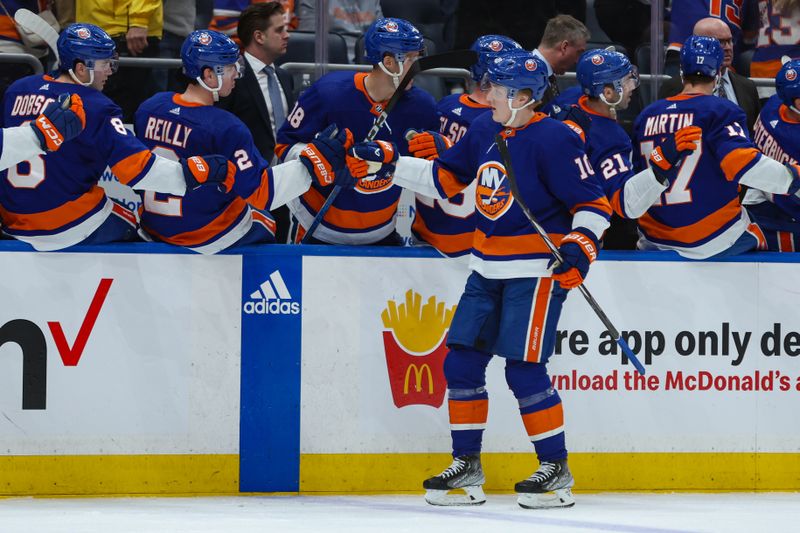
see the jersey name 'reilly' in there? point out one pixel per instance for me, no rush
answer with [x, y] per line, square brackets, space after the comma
[165, 131]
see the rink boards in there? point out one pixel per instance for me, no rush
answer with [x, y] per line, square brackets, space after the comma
[315, 369]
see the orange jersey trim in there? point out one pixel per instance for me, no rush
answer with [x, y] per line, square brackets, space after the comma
[684, 96]
[513, 245]
[510, 132]
[130, 167]
[180, 100]
[765, 69]
[57, 217]
[262, 195]
[783, 111]
[616, 205]
[693, 232]
[545, 420]
[280, 149]
[8, 29]
[601, 204]
[449, 183]
[469, 102]
[209, 231]
[468, 411]
[736, 160]
[448, 244]
[359, 81]
[354, 220]
[582, 103]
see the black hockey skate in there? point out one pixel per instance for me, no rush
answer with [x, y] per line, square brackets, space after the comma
[465, 473]
[550, 486]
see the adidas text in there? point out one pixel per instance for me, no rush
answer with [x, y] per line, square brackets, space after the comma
[272, 307]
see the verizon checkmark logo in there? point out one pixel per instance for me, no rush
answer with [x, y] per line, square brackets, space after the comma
[70, 355]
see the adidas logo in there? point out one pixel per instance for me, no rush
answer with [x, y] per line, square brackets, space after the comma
[773, 123]
[272, 298]
[45, 87]
[457, 111]
[176, 111]
[673, 106]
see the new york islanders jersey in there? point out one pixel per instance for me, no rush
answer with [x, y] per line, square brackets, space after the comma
[448, 224]
[777, 135]
[557, 187]
[53, 201]
[365, 214]
[565, 98]
[686, 13]
[8, 30]
[778, 36]
[700, 215]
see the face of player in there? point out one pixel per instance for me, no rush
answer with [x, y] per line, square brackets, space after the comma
[391, 64]
[497, 97]
[102, 70]
[629, 84]
[229, 75]
[276, 37]
[569, 54]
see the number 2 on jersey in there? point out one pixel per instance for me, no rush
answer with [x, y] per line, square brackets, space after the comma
[172, 206]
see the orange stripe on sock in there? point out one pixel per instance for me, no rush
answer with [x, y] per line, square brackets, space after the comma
[544, 421]
[468, 411]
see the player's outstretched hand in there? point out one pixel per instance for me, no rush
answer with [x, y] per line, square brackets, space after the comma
[576, 119]
[427, 144]
[324, 157]
[371, 160]
[59, 122]
[665, 159]
[579, 250]
[209, 169]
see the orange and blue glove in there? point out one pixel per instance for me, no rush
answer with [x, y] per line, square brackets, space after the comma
[209, 169]
[325, 157]
[59, 122]
[372, 160]
[427, 144]
[666, 159]
[578, 250]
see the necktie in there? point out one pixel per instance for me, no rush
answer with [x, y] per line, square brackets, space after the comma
[721, 92]
[553, 85]
[278, 114]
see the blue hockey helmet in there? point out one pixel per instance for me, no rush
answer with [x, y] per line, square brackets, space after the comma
[85, 43]
[598, 68]
[207, 48]
[701, 55]
[391, 36]
[489, 47]
[518, 70]
[787, 82]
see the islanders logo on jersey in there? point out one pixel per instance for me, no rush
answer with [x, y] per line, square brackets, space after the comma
[493, 193]
[597, 59]
[391, 26]
[204, 39]
[83, 33]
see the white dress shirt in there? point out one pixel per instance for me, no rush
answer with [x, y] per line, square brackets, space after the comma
[725, 81]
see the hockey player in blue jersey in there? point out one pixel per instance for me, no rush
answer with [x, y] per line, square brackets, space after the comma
[448, 224]
[513, 298]
[366, 213]
[58, 123]
[700, 216]
[777, 135]
[608, 80]
[53, 201]
[209, 220]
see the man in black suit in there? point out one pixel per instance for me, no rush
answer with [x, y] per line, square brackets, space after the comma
[263, 96]
[738, 89]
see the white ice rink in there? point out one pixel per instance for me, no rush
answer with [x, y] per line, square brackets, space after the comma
[633, 513]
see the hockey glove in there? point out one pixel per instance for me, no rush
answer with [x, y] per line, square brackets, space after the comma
[199, 171]
[59, 122]
[576, 119]
[324, 157]
[666, 159]
[578, 250]
[427, 144]
[372, 160]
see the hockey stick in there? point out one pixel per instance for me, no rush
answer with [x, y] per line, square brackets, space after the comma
[512, 181]
[36, 24]
[453, 59]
